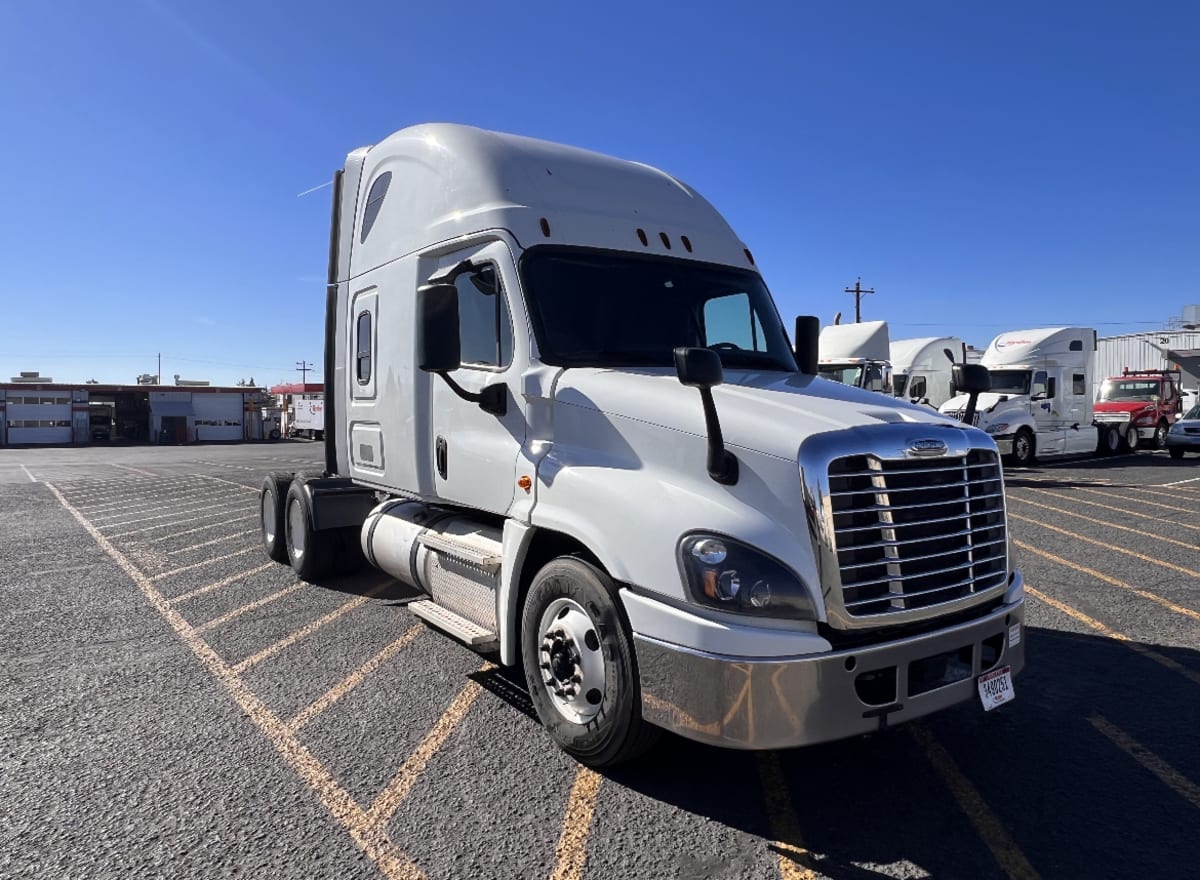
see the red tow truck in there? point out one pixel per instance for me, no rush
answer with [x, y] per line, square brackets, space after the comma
[1148, 401]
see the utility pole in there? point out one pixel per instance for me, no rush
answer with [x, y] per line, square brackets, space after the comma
[858, 292]
[158, 375]
[303, 367]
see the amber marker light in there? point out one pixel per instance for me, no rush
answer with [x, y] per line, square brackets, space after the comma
[525, 483]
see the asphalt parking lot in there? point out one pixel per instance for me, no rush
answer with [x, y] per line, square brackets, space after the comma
[177, 706]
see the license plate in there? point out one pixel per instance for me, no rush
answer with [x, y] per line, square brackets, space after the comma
[996, 688]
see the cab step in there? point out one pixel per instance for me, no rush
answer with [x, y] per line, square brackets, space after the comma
[484, 553]
[446, 620]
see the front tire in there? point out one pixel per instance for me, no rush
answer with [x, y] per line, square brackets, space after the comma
[1160, 434]
[1024, 450]
[1176, 452]
[580, 667]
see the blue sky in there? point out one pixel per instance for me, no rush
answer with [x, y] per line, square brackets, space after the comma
[982, 166]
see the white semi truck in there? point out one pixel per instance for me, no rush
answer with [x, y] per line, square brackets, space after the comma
[856, 354]
[1040, 401]
[922, 369]
[561, 404]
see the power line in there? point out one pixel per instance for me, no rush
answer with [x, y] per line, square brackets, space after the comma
[303, 367]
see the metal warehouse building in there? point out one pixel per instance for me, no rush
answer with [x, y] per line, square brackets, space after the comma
[1160, 350]
[35, 411]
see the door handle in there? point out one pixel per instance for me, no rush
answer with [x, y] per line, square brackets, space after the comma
[440, 456]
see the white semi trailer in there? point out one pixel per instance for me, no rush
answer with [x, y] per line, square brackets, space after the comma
[1040, 401]
[922, 369]
[561, 404]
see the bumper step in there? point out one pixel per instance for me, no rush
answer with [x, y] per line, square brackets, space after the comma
[447, 621]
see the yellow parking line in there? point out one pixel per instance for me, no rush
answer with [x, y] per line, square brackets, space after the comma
[794, 860]
[241, 486]
[343, 809]
[1007, 854]
[213, 541]
[1136, 499]
[1170, 777]
[1060, 496]
[1113, 547]
[1127, 641]
[125, 509]
[203, 562]
[306, 631]
[1141, 533]
[570, 855]
[353, 680]
[204, 528]
[176, 522]
[394, 793]
[1145, 594]
[223, 582]
[246, 609]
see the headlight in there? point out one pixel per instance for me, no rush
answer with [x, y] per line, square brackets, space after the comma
[998, 428]
[729, 575]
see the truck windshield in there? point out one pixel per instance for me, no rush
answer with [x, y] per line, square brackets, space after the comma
[1126, 389]
[849, 374]
[899, 381]
[610, 309]
[1010, 381]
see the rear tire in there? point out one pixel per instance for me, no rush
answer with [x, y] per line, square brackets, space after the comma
[271, 499]
[1176, 452]
[1133, 440]
[580, 667]
[310, 552]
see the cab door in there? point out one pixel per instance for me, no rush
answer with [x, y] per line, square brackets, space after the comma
[475, 452]
[1044, 409]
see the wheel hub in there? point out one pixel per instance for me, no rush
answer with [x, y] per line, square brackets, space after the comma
[570, 660]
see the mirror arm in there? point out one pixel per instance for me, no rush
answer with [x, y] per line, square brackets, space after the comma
[492, 399]
[722, 465]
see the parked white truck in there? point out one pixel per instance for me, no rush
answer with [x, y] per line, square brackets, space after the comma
[1040, 403]
[561, 404]
[856, 354]
[922, 369]
[307, 418]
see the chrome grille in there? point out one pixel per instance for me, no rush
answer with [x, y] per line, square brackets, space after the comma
[917, 532]
[960, 415]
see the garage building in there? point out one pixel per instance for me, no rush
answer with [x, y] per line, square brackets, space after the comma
[35, 410]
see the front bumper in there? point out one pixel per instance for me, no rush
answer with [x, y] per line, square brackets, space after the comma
[1004, 443]
[749, 703]
[1178, 440]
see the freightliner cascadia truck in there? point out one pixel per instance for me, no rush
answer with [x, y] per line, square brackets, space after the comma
[561, 405]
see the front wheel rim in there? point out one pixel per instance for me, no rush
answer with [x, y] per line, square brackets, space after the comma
[570, 661]
[296, 530]
[1022, 448]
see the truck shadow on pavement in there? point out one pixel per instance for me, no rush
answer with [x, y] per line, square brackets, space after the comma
[1086, 774]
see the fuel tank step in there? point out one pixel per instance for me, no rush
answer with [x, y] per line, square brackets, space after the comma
[447, 621]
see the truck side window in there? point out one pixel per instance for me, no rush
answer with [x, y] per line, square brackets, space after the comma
[1039, 384]
[374, 202]
[1078, 384]
[730, 320]
[916, 387]
[362, 349]
[484, 327]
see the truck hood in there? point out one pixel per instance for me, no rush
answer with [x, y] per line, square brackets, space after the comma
[991, 407]
[1133, 407]
[769, 413]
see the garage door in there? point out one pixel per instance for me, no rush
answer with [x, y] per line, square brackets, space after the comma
[218, 416]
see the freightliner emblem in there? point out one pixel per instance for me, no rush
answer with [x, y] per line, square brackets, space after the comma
[927, 448]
